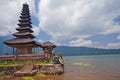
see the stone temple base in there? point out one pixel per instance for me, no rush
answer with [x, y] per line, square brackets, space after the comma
[30, 70]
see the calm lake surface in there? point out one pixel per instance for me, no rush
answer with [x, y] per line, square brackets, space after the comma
[93, 67]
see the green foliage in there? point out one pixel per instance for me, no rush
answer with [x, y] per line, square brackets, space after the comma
[15, 62]
[6, 77]
[41, 75]
[3, 62]
[28, 78]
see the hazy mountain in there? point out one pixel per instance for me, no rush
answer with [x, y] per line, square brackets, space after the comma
[75, 51]
[69, 51]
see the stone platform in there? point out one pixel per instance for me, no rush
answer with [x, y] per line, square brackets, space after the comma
[27, 70]
[22, 57]
[30, 70]
[52, 69]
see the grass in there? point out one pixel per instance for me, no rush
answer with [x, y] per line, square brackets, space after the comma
[28, 78]
[40, 75]
[15, 62]
[5, 77]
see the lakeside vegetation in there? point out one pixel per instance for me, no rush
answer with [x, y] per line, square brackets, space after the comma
[36, 77]
[15, 63]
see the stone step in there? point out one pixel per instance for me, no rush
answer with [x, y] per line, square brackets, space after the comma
[27, 70]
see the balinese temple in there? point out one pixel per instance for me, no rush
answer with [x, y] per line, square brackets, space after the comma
[24, 41]
[24, 45]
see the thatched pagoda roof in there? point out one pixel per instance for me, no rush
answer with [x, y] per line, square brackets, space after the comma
[25, 16]
[48, 44]
[25, 34]
[24, 20]
[17, 41]
[21, 33]
[24, 28]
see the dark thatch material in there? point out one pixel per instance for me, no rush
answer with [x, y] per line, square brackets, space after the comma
[24, 33]
[16, 41]
[25, 13]
[24, 20]
[24, 28]
[26, 16]
[24, 23]
[48, 44]
[27, 27]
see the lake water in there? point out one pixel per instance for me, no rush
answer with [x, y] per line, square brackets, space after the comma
[93, 67]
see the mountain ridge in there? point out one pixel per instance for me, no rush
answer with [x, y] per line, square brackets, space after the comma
[76, 51]
[72, 51]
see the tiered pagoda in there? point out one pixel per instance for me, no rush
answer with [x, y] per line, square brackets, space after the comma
[24, 41]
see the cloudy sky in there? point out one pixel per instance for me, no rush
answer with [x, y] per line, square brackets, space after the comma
[90, 23]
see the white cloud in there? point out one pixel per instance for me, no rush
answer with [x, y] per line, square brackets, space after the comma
[88, 43]
[8, 15]
[64, 19]
[81, 42]
[10, 12]
[113, 45]
[53, 41]
[36, 30]
[118, 37]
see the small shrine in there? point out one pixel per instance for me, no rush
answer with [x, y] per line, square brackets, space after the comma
[48, 47]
